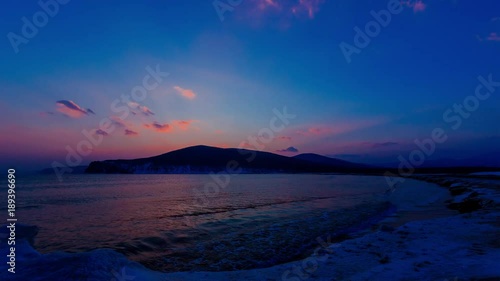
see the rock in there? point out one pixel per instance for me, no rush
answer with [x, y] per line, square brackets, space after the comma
[462, 197]
[467, 206]
[447, 183]
[458, 190]
[473, 194]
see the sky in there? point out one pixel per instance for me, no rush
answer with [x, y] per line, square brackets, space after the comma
[363, 80]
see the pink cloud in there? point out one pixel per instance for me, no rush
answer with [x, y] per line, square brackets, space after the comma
[71, 109]
[417, 5]
[340, 128]
[101, 132]
[118, 121]
[187, 93]
[290, 149]
[264, 4]
[316, 131]
[142, 108]
[184, 124]
[283, 138]
[309, 7]
[493, 37]
[130, 133]
[163, 128]
[280, 12]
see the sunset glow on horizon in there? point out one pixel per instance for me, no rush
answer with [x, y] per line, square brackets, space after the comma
[186, 76]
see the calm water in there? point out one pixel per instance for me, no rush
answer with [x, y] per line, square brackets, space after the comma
[256, 221]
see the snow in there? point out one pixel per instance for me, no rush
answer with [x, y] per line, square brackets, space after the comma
[438, 248]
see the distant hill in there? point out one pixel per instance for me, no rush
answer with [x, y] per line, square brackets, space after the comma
[491, 160]
[206, 159]
[75, 170]
[333, 162]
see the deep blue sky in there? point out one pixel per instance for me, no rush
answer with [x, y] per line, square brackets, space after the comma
[226, 77]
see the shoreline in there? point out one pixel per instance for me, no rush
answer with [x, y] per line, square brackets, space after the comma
[451, 246]
[409, 245]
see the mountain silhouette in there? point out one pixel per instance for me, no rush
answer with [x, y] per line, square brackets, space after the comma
[206, 159]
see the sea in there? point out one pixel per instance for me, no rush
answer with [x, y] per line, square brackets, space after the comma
[190, 222]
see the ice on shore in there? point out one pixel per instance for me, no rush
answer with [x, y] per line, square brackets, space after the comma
[462, 247]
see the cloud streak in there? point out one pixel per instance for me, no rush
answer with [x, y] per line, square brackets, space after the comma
[290, 149]
[493, 37]
[263, 12]
[71, 109]
[131, 133]
[162, 128]
[141, 108]
[184, 124]
[283, 138]
[416, 5]
[308, 7]
[101, 132]
[340, 128]
[186, 93]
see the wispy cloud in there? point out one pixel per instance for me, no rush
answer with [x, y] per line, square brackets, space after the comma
[163, 128]
[283, 138]
[187, 93]
[308, 7]
[46, 113]
[263, 12]
[71, 109]
[290, 149]
[416, 5]
[317, 131]
[264, 4]
[184, 124]
[101, 132]
[118, 121]
[131, 133]
[141, 108]
[341, 127]
[493, 37]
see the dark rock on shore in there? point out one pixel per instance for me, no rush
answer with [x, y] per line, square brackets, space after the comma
[467, 206]
[458, 190]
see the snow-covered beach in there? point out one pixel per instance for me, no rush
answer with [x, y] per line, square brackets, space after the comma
[430, 242]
